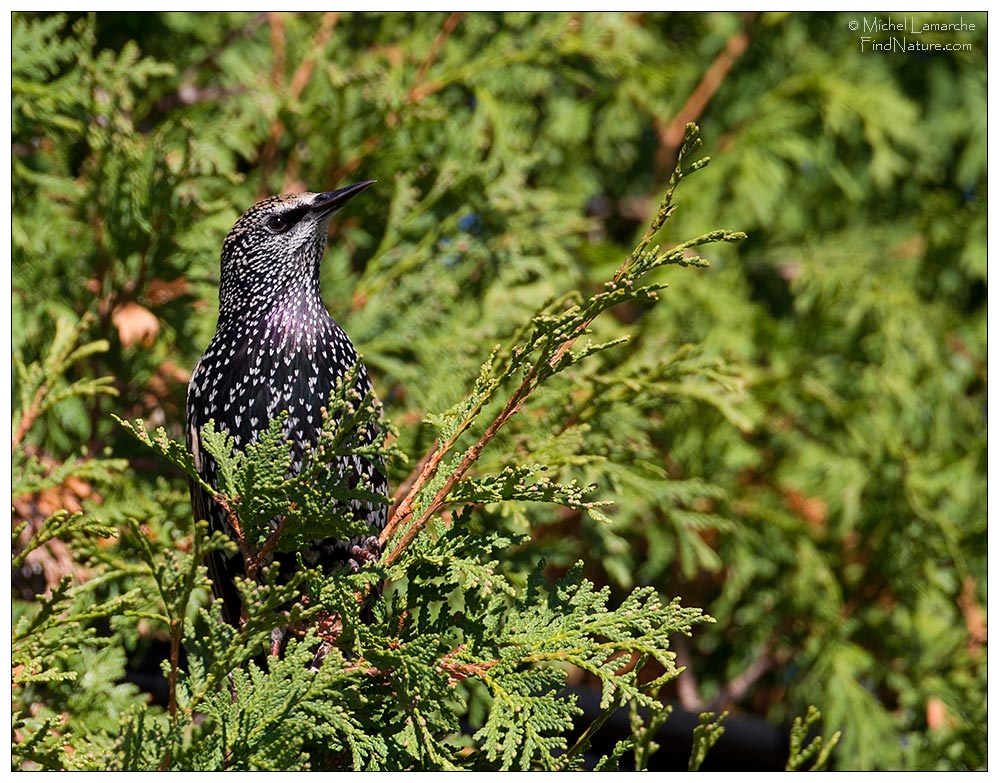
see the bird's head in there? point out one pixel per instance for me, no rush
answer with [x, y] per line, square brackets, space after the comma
[275, 247]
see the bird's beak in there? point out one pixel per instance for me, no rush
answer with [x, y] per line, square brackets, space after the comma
[332, 200]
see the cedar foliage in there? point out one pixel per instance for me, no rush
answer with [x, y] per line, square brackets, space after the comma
[793, 440]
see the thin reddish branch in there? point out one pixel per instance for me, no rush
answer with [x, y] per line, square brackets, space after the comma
[276, 22]
[402, 491]
[252, 563]
[304, 71]
[418, 90]
[233, 519]
[371, 671]
[974, 617]
[458, 671]
[272, 541]
[671, 136]
[405, 510]
[28, 418]
[268, 155]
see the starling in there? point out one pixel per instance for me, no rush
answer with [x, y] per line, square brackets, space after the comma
[276, 348]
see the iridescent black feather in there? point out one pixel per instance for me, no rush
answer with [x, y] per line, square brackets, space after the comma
[276, 348]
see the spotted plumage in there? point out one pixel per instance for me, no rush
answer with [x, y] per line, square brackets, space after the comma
[276, 348]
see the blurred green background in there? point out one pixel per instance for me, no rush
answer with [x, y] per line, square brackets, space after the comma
[804, 451]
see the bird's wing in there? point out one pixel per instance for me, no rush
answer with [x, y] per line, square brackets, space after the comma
[222, 569]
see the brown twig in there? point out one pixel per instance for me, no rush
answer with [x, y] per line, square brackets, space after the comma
[418, 90]
[671, 136]
[252, 563]
[458, 671]
[176, 634]
[402, 518]
[404, 510]
[276, 22]
[299, 80]
[233, 519]
[431, 461]
[403, 489]
[735, 690]
[252, 569]
[687, 689]
[268, 155]
[28, 418]
[305, 68]
[974, 617]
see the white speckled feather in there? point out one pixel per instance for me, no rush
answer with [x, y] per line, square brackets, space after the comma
[276, 348]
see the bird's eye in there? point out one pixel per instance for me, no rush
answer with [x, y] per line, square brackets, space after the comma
[278, 224]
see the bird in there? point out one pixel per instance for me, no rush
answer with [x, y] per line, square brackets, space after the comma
[277, 349]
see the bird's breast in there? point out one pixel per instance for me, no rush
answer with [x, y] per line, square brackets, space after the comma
[252, 371]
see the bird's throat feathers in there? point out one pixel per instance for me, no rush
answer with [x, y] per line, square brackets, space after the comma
[296, 323]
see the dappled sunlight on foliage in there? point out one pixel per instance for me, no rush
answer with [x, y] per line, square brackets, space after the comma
[788, 431]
